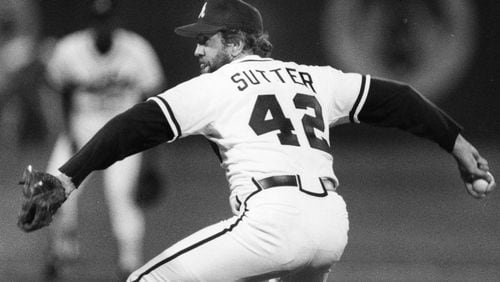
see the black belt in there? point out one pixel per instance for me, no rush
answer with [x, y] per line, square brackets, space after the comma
[327, 183]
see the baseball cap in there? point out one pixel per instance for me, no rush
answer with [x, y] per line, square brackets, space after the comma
[217, 15]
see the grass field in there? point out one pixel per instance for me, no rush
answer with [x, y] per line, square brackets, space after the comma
[411, 219]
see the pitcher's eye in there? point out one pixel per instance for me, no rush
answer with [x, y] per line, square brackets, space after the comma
[202, 39]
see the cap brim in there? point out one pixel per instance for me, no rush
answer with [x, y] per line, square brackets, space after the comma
[198, 28]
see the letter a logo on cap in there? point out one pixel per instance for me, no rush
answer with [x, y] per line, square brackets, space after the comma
[202, 13]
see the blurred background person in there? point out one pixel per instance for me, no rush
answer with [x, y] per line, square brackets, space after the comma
[21, 70]
[99, 72]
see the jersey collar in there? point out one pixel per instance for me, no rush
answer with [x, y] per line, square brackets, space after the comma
[251, 58]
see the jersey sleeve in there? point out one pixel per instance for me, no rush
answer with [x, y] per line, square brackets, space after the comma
[398, 105]
[347, 94]
[135, 130]
[190, 107]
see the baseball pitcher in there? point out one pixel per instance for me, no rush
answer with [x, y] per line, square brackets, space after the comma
[270, 121]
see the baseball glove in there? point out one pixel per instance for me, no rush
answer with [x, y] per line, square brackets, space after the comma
[43, 195]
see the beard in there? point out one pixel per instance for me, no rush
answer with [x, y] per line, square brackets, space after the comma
[221, 58]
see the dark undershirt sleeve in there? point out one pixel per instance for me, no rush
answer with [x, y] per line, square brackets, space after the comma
[137, 129]
[392, 104]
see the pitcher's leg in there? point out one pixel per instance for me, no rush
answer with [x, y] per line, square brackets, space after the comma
[127, 219]
[211, 254]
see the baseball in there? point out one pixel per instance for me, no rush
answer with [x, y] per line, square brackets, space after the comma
[480, 185]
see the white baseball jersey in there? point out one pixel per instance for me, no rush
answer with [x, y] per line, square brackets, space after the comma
[109, 83]
[267, 117]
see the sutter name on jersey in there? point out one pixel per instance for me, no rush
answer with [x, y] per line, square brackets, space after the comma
[245, 78]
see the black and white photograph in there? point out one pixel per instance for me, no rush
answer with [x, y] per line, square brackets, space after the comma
[249, 140]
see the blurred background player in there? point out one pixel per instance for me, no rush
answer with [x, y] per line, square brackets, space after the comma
[99, 72]
[21, 68]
